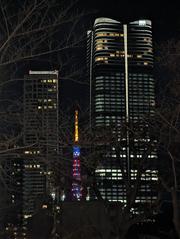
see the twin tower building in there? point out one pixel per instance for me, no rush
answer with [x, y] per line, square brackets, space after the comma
[122, 104]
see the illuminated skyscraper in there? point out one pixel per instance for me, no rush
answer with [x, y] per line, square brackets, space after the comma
[76, 185]
[120, 69]
[40, 137]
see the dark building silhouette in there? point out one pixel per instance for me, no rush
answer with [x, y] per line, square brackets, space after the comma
[122, 96]
[11, 189]
[40, 137]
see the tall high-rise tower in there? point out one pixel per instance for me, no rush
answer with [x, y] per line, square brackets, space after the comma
[76, 186]
[120, 69]
[40, 137]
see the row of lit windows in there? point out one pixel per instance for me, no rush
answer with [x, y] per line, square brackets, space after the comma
[100, 47]
[144, 88]
[47, 107]
[139, 101]
[116, 90]
[105, 121]
[52, 89]
[144, 80]
[114, 192]
[139, 74]
[107, 103]
[32, 166]
[133, 96]
[101, 41]
[140, 82]
[110, 117]
[109, 88]
[49, 81]
[147, 177]
[111, 34]
[108, 98]
[106, 95]
[109, 108]
[101, 58]
[107, 60]
[45, 100]
[119, 55]
[132, 178]
[101, 78]
[145, 54]
[32, 152]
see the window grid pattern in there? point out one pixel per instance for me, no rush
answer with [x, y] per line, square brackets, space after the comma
[108, 104]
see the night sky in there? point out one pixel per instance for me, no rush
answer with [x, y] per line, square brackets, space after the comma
[166, 25]
[164, 14]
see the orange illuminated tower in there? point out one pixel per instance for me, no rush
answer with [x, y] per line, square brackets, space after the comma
[76, 185]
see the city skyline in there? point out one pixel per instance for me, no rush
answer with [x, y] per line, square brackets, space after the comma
[117, 63]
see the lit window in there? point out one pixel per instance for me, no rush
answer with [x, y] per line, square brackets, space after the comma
[101, 59]
[101, 41]
[27, 216]
[112, 54]
[99, 48]
[44, 206]
[142, 22]
[102, 34]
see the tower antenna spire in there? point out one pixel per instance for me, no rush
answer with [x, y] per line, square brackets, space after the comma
[76, 184]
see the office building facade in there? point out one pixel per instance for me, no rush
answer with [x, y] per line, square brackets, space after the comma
[122, 95]
[41, 145]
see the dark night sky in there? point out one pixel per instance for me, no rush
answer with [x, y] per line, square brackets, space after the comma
[164, 14]
[166, 24]
[165, 19]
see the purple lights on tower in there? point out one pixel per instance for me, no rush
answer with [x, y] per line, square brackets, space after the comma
[76, 185]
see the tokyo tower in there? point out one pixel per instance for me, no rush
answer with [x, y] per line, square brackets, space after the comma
[76, 185]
